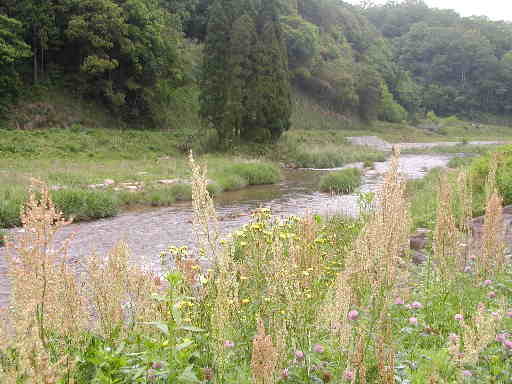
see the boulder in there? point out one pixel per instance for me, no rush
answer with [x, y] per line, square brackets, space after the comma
[419, 239]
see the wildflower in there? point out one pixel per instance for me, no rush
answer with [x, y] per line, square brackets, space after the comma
[509, 314]
[326, 376]
[413, 321]
[496, 315]
[285, 374]
[299, 355]
[491, 295]
[353, 315]
[318, 348]
[208, 374]
[501, 337]
[399, 301]
[229, 344]
[508, 344]
[467, 269]
[246, 301]
[467, 373]
[349, 375]
[416, 305]
[458, 317]
[487, 282]
[454, 338]
[157, 365]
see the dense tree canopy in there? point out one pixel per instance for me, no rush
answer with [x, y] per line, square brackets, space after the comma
[393, 61]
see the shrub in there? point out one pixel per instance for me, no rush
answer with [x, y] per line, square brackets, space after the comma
[182, 192]
[11, 201]
[480, 170]
[231, 182]
[3, 233]
[344, 181]
[83, 204]
[161, 197]
[255, 173]
[457, 162]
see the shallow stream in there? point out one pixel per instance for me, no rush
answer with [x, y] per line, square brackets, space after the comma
[151, 231]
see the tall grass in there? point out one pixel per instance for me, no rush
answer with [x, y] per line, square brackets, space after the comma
[297, 300]
[75, 197]
[343, 182]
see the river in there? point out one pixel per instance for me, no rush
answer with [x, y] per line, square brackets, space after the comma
[151, 231]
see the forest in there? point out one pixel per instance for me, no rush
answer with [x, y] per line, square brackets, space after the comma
[236, 64]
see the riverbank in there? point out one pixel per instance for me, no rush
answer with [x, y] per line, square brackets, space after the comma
[310, 297]
[95, 173]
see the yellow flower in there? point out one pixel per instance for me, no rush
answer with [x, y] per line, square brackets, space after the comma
[246, 301]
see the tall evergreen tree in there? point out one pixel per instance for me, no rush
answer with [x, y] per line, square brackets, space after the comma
[215, 71]
[269, 104]
[245, 90]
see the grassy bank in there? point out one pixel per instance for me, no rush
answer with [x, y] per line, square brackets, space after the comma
[95, 173]
[343, 182]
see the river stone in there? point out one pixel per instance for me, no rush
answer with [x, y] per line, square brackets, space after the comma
[97, 186]
[168, 181]
[418, 258]
[419, 239]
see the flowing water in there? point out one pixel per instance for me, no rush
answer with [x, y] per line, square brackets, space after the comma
[149, 232]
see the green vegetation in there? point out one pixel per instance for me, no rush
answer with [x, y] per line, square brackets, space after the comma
[480, 168]
[230, 61]
[95, 173]
[424, 192]
[350, 313]
[342, 182]
[321, 149]
[245, 88]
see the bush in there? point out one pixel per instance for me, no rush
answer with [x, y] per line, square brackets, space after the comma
[161, 197]
[83, 204]
[231, 182]
[457, 162]
[255, 173]
[480, 170]
[182, 192]
[2, 237]
[344, 181]
[11, 201]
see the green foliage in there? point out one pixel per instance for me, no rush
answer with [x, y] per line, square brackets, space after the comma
[11, 201]
[480, 170]
[389, 109]
[255, 173]
[83, 204]
[370, 93]
[459, 61]
[343, 182]
[302, 41]
[12, 51]
[115, 51]
[245, 88]
[3, 235]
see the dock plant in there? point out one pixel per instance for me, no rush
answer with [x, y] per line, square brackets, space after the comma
[281, 300]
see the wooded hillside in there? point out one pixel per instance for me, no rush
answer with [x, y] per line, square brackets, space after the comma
[234, 63]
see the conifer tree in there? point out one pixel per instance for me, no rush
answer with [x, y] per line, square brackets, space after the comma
[269, 103]
[245, 89]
